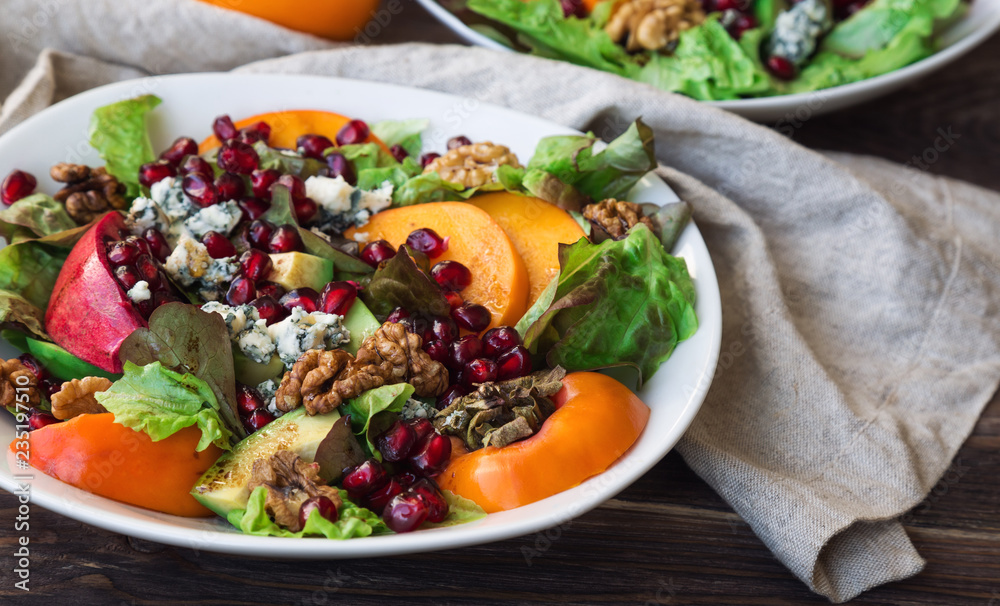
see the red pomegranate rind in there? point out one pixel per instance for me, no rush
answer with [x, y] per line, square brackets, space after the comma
[89, 314]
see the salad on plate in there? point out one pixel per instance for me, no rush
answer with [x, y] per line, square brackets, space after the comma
[313, 327]
[721, 49]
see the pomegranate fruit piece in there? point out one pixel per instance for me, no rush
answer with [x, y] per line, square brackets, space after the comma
[463, 351]
[255, 264]
[498, 340]
[313, 146]
[341, 167]
[230, 186]
[375, 252]
[430, 494]
[323, 505]
[157, 242]
[200, 189]
[247, 400]
[224, 128]
[241, 292]
[123, 253]
[428, 158]
[513, 364]
[451, 275]
[427, 241]
[257, 420]
[219, 246]
[377, 499]
[396, 442]
[458, 141]
[353, 132]
[450, 395]
[269, 309]
[196, 165]
[236, 157]
[397, 315]
[398, 152]
[253, 207]
[437, 350]
[261, 182]
[405, 512]
[305, 209]
[38, 419]
[480, 370]
[16, 186]
[181, 147]
[306, 298]
[271, 289]
[285, 239]
[472, 317]
[154, 172]
[362, 479]
[338, 297]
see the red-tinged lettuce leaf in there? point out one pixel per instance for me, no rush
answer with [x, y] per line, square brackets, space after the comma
[400, 283]
[187, 340]
[670, 221]
[617, 303]
[338, 451]
[38, 213]
[19, 314]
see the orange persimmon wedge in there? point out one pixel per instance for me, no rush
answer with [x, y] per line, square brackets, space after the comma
[499, 278]
[536, 228]
[336, 19]
[288, 126]
[596, 420]
[96, 454]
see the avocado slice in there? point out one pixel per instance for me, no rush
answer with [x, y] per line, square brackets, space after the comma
[299, 270]
[63, 364]
[362, 324]
[253, 373]
[223, 487]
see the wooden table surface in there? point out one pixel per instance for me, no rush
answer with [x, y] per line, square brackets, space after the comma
[668, 539]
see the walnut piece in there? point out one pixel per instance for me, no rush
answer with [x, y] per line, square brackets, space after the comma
[473, 165]
[322, 380]
[653, 24]
[289, 481]
[77, 397]
[18, 380]
[616, 217]
[89, 192]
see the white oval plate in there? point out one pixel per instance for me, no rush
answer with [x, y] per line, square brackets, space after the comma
[982, 20]
[190, 103]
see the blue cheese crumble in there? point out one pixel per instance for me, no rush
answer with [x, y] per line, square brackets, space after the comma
[145, 214]
[267, 389]
[415, 409]
[341, 205]
[190, 265]
[221, 218]
[140, 292]
[246, 329]
[302, 331]
[797, 30]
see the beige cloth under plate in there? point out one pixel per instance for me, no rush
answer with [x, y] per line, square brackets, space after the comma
[860, 298]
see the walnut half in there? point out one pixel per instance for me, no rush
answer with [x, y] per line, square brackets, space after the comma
[16, 380]
[653, 24]
[290, 482]
[616, 217]
[88, 193]
[473, 165]
[77, 397]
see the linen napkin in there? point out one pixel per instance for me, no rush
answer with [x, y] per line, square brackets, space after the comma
[860, 330]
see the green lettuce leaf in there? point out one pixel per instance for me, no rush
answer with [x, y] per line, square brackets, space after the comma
[618, 303]
[406, 133]
[160, 402]
[400, 283]
[118, 132]
[353, 521]
[39, 213]
[287, 163]
[460, 511]
[21, 315]
[369, 412]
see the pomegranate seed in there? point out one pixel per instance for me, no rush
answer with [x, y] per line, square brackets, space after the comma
[261, 182]
[430, 494]
[260, 234]
[427, 241]
[380, 497]
[257, 420]
[313, 146]
[353, 132]
[271, 289]
[127, 276]
[573, 8]
[238, 158]
[219, 247]
[248, 399]
[454, 299]
[154, 172]
[498, 340]
[782, 68]
[398, 153]
[451, 275]
[145, 308]
[340, 167]
[458, 141]
[224, 128]
[196, 165]
[200, 189]
[17, 185]
[255, 264]
[31, 363]
[428, 158]
[362, 479]
[735, 5]
[39, 419]
[472, 317]
[183, 146]
[123, 253]
[405, 512]
[149, 270]
[463, 351]
[338, 297]
[306, 298]
[444, 328]
[296, 187]
[241, 292]
[162, 298]
[269, 309]
[230, 186]
[323, 505]
[254, 208]
[285, 239]
[480, 370]
[158, 246]
[258, 131]
[397, 315]
[740, 24]
[141, 244]
[50, 386]
[375, 252]
[305, 209]
[396, 442]
[437, 350]
[513, 364]
[407, 478]
[422, 427]
[450, 395]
